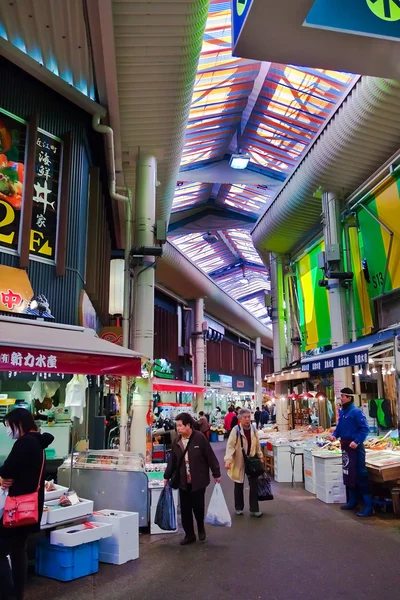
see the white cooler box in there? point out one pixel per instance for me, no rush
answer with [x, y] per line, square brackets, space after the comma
[283, 466]
[309, 471]
[123, 545]
[67, 513]
[329, 478]
[155, 494]
[75, 535]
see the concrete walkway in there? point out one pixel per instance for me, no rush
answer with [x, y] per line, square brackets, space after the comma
[301, 549]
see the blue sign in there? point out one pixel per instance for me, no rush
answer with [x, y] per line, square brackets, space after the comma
[240, 9]
[352, 359]
[373, 18]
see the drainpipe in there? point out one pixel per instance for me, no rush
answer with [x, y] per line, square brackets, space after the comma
[127, 200]
[278, 314]
[258, 373]
[288, 319]
[350, 296]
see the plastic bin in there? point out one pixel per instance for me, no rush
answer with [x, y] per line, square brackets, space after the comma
[66, 564]
[221, 437]
[213, 436]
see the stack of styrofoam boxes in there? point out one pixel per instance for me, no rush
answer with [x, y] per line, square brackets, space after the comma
[309, 471]
[155, 490]
[123, 545]
[283, 465]
[329, 477]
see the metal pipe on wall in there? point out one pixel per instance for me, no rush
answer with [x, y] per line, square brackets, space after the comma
[258, 373]
[199, 352]
[350, 297]
[278, 312]
[144, 279]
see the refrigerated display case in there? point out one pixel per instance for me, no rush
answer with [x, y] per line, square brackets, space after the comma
[111, 479]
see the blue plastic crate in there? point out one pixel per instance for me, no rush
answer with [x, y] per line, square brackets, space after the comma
[66, 564]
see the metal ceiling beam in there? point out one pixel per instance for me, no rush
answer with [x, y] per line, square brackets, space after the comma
[210, 211]
[251, 102]
[236, 265]
[221, 172]
[229, 245]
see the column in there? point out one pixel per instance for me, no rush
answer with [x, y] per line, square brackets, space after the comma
[199, 352]
[337, 293]
[278, 312]
[144, 275]
[258, 373]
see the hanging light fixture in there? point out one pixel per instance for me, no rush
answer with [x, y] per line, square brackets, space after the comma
[116, 298]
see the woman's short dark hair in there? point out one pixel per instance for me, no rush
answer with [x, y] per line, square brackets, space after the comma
[185, 418]
[201, 413]
[20, 419]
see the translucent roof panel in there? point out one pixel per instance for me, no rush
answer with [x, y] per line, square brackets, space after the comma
[188, 195]
[272, 112]
[245, 198]
[293, 106]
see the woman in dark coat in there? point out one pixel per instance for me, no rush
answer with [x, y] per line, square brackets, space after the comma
[20, 474]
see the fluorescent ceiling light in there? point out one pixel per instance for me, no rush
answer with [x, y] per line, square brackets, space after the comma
[239, 161]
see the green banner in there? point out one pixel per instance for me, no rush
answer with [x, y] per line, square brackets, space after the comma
[314, 302]
[379, 224]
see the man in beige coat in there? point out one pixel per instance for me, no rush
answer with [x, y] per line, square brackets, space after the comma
[244, 433]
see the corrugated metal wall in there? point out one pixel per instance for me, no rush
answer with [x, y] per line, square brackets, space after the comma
[23, 96]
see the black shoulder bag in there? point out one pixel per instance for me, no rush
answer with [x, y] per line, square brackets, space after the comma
[176, 475]
[253, 466]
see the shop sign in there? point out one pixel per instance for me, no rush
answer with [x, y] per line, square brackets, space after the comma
[48, 157]
[213, 377]
[225, 381]
[16, 291]
[352, 359]
[87, 312]
[371, 18]
[163, 369]
[45, 196]
[240, 384]
[40, 361]
[112, 334]
[12, 159]
[240, 9]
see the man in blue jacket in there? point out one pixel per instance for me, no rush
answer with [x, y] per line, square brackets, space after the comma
[352, 429]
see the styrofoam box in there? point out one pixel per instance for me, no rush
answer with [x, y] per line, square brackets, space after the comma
[309, 471]
[57, 493]
[328, 469]
[66, 513]
[44, 518]
[123, 545]
[283, 467]
[331, 495]
[80, 534]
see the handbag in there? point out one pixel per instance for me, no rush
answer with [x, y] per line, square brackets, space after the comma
[253, 466]
[20, 511]
[176, 475]
[264, 489]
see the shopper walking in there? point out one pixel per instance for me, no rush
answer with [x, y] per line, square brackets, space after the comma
[204, 425]
[264, 417]
[257, 417]
[352, 429]
[228, 419]
[191, 460]
[243, 437]
[20, 474]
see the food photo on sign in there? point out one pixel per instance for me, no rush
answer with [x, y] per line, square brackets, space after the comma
[12, 157]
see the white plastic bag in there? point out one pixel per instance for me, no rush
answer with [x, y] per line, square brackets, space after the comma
[218, 514]
[3, 498]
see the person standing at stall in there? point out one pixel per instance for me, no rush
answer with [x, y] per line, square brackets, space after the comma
[257, 417]
[192, 459]
[352, 429]
[22, 473]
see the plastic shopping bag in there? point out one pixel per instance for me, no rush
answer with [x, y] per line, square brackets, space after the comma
[264, 488]
[3, 498]
[218, 514]
[165, 513]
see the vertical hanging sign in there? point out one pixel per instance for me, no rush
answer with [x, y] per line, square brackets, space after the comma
[12, 156]
[45, 196]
